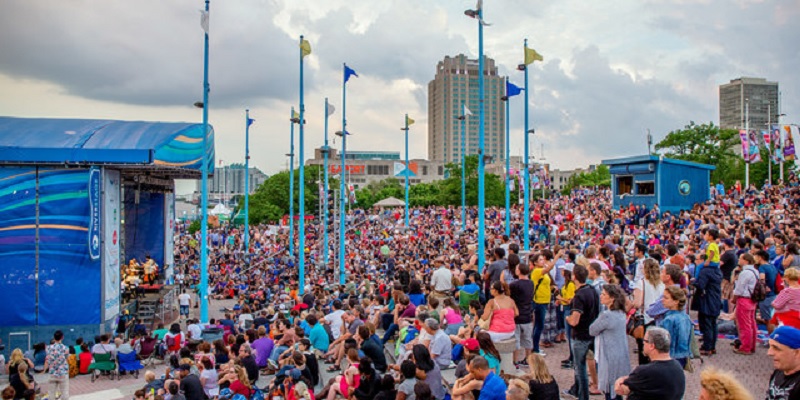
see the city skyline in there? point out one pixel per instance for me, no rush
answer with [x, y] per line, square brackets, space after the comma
[609, 73]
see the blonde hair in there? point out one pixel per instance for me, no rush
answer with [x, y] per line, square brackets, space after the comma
[652, 272]
[518, 389]
[241, 375]
[791, 274]
[722, 385]
[16, 356]
[302, 391]
[538, 369]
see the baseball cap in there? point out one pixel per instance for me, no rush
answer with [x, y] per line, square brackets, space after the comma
[471, 344]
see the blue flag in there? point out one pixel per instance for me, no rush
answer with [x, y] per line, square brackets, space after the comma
[512, 89]
[250, 121]
[348, 72]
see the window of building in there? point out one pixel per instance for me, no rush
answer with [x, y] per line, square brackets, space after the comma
[624, 185]
[440, 170]
[645, 188]
[424, 170]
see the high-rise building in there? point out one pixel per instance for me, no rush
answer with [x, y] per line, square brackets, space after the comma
[456, 85]
[228, 181]
[760, 94]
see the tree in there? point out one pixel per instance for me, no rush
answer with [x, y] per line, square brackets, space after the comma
[707, 144]
[600, 177]
[272, 197]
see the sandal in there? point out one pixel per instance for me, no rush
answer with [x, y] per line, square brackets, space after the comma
[334, 368]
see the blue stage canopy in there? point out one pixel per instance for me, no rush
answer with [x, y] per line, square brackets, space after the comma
[167, 145]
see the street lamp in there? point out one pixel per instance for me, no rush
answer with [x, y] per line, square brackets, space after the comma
[477, 13]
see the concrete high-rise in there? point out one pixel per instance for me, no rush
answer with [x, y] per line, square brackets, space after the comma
[760, 94]
[455, 85]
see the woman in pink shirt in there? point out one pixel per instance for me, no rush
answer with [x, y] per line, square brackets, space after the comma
[787, 302]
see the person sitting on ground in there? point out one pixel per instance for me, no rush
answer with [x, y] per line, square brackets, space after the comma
[493, 388]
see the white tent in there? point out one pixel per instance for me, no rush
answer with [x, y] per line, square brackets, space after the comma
[390, 202]
[220, 209]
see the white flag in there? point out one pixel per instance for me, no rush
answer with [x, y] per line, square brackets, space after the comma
[331, 109]
[204, 20]
[467, 111]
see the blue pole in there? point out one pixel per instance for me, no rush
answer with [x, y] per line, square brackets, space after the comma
[301, 231]
[408, 168]
[204, 190]
[481, 154]
[342, 192]
[508, 163]
[526, 201]
[325, 150]
[247, 186]
[463, 173]
[291, 190]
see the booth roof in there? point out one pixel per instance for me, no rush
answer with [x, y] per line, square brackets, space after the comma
[176, 146]
[649, 158]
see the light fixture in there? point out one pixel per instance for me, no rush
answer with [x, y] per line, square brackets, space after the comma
[471, 13]
[199, 104]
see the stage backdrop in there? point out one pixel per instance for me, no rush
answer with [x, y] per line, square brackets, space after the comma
[144, 233]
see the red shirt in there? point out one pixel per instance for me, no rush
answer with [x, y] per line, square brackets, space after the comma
[238, 387]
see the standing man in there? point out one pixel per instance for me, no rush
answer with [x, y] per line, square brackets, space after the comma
[522, 293]
[56, 362]
[495, 269]
[745, 306]
[185, 302]
[662, 378]
[784, 349]
[441, 281]
[585, 309]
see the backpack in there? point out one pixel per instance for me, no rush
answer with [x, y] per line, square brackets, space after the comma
[759, 292]
[170, 340]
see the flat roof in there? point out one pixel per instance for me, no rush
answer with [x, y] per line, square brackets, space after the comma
[652, 158]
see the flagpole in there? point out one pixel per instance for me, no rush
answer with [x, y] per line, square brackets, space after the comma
[291, 189]
[341, 180]
[301, 223]
[747, 133]
[204, 189]
[325, 151]
[406, 171]
[247, 186]
[526, 201]
[481, 154]
[463, 169]
[508, 163]
[769, 145]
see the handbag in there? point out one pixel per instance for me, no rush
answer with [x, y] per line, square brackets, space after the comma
[484, 324]
[635, 322]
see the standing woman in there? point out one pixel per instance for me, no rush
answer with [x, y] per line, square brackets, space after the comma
[646, 291]
[611, 341]
[678, 324]
[708, 298]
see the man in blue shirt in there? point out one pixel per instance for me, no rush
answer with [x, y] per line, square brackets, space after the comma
[494, 388]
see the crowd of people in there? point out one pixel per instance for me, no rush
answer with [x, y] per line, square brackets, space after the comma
[414, 302]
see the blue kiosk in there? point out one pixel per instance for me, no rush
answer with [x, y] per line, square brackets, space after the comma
[649, 180]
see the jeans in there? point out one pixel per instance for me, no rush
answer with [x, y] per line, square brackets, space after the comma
[765, 307]
[386, 320]
[579, 350]
[708, 327]
[568, 311]
[539, 314]
[60, 385]
[276, 352]
[390, 332]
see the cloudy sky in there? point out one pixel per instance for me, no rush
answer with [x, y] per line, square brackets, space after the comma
[611, 70]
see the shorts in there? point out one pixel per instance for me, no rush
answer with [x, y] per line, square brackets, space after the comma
[184, 310]
[524, 335]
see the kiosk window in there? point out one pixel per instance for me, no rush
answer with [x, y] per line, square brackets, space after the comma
[624, 185]
[645, 188]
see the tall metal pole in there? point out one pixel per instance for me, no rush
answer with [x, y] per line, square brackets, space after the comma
[747, 133]
[326, 150]
[247, 186]
[291, 189]
[508, 162]
[770, 145]
[408, 168]
[463, 172]
[301, 231]
[481, 153]
[204, 189]
[526, 200]
[342, 193]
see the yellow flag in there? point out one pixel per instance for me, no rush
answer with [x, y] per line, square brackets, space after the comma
[295, 115]
[305, 47]
[531, 55]
[409, 121]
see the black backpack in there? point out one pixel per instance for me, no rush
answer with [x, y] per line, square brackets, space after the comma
[759, 292]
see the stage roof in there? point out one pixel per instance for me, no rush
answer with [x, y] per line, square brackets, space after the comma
[171, 149]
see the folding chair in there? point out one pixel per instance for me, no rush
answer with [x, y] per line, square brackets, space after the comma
[103, 363]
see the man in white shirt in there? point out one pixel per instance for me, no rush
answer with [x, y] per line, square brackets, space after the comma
[185, 302]
[442, 280]
[334, 319]
[194, 329]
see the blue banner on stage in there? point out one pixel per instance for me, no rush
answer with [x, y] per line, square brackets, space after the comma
[94, 213]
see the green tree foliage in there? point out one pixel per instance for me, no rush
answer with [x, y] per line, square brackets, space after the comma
[270, 202]
[600, 177]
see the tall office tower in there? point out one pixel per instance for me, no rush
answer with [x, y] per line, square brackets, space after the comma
[455, 85]
[761, 95]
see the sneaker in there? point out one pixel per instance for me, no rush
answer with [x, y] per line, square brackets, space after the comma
[569, 394]
[567, 366]
[541, 353]
[272, 364]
